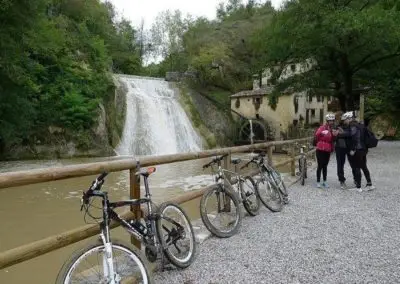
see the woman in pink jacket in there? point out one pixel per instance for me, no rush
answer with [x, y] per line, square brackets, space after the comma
[324, 137]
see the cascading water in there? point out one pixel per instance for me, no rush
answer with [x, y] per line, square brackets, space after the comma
[155, 123]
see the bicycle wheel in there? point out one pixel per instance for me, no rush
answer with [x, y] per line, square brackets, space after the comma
[176, 235]
[129, 265]
[303, 171]
[281, 184]
[269, 194]
[226, 213]
[249, 196]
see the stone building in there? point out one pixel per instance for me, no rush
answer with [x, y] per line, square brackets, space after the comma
[293, 109]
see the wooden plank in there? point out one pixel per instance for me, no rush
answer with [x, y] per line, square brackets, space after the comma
[134, 193]
[227, 202]
[362, 104]
[58, 173]
[269, 153]
[293, 162]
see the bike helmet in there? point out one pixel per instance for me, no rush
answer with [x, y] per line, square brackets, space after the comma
[348, 115]
[330, 117]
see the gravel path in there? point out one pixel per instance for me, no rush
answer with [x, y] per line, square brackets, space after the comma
[322, 236]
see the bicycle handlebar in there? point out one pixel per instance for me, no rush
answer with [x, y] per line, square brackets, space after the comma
[215, 160]
[96, 186]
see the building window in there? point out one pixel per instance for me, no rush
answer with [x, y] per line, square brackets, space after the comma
[296, 104]
[237, 103]
[257, 102]
[293, 67]
[312, 112]
[318, 98]
[310, 98]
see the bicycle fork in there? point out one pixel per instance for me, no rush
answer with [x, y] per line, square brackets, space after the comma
[108, 264]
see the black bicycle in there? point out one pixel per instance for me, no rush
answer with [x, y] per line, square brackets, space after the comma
[115, 262]
[271, 189]
[220, 205]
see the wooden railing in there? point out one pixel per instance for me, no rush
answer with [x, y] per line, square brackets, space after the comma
[37, 248]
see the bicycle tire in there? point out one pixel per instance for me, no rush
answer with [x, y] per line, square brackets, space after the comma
[70, 263]
[253, 211]
[276, 206]
[172, 258]
[204, 216]
[281, 184]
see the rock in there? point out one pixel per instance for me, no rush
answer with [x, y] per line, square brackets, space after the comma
[55, 129]
[173, 76]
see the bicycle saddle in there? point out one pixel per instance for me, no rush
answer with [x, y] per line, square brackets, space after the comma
[236, 161]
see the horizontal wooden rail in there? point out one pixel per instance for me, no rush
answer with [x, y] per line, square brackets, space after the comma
[58, 173]
[38, 248]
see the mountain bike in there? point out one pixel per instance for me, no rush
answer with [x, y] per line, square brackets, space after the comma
[270, 187]
[227, 213]
[302, 173]
[116, 262]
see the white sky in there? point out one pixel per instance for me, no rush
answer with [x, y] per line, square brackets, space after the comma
[135, 10]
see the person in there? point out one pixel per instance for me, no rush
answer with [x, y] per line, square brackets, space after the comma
[357, 155]
[342, 146]
[324, 144]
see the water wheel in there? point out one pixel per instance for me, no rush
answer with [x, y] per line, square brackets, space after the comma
[252, 131]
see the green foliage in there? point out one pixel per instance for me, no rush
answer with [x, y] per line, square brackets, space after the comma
[55, 59]
[219, 50]
[344, 38]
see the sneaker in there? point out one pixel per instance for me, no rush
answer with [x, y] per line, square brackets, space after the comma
[325, 185]
[358, 189]
[369, 187]
[319, 185]
[343, 185]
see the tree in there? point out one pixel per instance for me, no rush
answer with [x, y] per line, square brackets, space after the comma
[55, 59]
[166, 34]
[204, 40]
[343, 37]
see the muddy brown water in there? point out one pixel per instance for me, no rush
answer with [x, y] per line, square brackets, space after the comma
[33, 212]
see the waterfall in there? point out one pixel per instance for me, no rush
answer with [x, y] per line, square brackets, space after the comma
[155, 122]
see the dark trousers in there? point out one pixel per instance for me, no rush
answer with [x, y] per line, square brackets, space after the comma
[340, 161]
[358, 162]
[322, 161]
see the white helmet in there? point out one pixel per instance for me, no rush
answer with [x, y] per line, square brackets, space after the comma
[330, 116]
[348, 115]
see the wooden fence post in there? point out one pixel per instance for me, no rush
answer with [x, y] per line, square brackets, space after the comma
[362, 103]
[269, 151]
[226, 164]
[293, 162]
[135, 194]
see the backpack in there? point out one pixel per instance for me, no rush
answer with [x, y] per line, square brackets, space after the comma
[369, 137]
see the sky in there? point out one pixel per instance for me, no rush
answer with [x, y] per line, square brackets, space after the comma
[135, 10]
